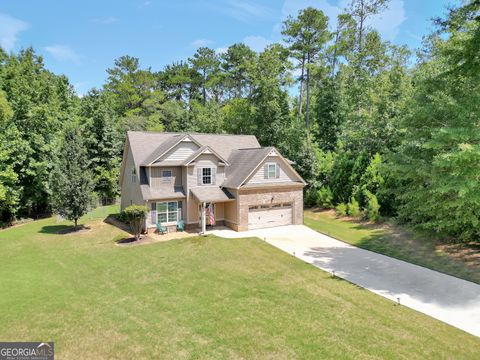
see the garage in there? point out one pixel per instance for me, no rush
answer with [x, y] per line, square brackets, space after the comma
[264, 216]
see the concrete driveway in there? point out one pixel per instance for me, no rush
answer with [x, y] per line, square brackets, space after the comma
[444, 297]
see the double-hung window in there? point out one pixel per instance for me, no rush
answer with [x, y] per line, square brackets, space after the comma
[169, 211]
[206, 176]
[271, 171]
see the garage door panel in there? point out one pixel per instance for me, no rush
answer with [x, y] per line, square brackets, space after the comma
[269, 218]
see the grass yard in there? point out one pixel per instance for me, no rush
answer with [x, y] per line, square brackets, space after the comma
[197, 298]
[399, 242]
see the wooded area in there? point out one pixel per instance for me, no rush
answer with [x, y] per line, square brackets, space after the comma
[372, 127]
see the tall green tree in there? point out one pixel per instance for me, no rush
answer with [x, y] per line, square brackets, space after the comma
[307, 35]
[71, 179]
[206, 62]
[237, 62]
[103, 140]
[437, 162]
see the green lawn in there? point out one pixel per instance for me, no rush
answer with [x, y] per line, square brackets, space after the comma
[207, 298]
[391, 240]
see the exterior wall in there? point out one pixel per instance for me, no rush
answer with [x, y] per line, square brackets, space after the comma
[131, 193]
[181, 151]
[247, 197]
[205, 160]
[231, 211]
[156, 180]
[285, 173]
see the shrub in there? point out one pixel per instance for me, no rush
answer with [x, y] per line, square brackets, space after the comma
[341, 209]
[135, 215]
[310, 197]
[325, 197]
[372, 210]
[354, 208]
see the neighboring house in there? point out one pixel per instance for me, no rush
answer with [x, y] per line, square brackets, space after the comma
[209, 179]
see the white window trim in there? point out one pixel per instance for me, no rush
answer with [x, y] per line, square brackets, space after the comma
[268, 170]
[179, 212]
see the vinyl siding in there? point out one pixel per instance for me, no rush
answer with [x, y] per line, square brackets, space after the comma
[180, 152]
[156, 179]
[205, 160]
[285, 174]
[131, 193]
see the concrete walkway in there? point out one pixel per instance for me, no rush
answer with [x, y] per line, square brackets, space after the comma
[444, 297]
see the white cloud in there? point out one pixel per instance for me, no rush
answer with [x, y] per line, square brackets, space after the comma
[201, 42]
[9, 29]
[106, 21]
[244, 10]
[257, 43]
[387, 23]
[63, 53]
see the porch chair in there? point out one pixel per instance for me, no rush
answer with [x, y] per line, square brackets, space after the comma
[180, 225]
[161, 229]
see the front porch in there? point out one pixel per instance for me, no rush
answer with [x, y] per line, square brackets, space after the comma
[211, 203]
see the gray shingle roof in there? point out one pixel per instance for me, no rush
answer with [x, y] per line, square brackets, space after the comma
[211, 193]
[242, 163]
[168, 192]
[147, 145]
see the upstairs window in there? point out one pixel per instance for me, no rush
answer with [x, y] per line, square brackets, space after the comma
[166, 176]
[206, 176]
[133, 172]
[272, 171]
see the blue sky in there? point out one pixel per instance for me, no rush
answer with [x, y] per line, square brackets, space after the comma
[82, 38]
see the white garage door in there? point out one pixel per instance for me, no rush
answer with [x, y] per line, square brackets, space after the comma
[269, 216]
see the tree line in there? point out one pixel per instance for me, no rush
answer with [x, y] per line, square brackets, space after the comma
[371, 131]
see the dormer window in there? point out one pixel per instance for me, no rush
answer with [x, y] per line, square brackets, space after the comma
[271, 171]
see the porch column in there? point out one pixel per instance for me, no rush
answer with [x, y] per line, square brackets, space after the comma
[204, 223]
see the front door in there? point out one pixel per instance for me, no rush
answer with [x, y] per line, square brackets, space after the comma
[209, 214]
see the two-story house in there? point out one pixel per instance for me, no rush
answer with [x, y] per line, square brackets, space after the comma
[209, 179]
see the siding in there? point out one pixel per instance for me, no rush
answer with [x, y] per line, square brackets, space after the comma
[286, 175]
[156, 180]
[131, 193]
[181, 151]
[205, 160]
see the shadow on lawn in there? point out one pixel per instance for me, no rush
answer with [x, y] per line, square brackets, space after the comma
[63, 229]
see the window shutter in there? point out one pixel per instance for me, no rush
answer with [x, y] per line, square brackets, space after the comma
[214, 175]
[199, 176]
[277, 171]
[265, 171]
[153, 213]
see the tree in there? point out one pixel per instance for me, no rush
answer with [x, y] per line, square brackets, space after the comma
[361, 10]
[135, 215]
[103, 141]
[236, 64]
[71, 179]
[129, 85]
[307, 35]
[207, 63]
[437, 162]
